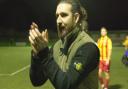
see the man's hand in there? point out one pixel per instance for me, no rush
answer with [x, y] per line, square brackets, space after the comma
[37, 40]
[107, 61]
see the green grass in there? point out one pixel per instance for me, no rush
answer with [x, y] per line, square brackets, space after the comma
[15, 58]
[11, 60]
[119, 73]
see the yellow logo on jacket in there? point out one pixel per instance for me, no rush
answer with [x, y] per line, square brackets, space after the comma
[78, 66]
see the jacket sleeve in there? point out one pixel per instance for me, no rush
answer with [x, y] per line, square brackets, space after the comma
[86, 59]
[37, 73]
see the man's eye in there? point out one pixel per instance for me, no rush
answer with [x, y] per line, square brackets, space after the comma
[64, 15]
[57, 16]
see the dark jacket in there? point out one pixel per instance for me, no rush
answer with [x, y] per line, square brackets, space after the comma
[72, 63]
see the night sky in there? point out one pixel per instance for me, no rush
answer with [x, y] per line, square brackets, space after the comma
[18, 14]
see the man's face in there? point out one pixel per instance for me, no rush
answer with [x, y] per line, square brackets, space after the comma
[65, 19]
[103, 32]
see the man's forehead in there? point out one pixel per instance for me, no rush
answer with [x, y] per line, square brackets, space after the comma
[63, 7]
[104, 29]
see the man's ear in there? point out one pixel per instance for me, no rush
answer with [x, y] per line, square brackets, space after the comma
[77, 17]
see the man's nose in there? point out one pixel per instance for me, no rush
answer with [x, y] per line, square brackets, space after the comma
[59, 20]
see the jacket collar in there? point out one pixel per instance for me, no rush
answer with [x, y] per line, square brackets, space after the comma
[68, 40]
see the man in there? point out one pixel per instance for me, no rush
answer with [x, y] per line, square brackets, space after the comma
[105, 47]
[72, 62]
[125, 43]
[125, 56]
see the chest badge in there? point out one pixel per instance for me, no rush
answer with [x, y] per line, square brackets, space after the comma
[78, 66]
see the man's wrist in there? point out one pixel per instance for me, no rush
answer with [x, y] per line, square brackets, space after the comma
[41, 55]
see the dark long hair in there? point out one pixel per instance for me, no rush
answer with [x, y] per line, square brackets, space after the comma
[78, 8]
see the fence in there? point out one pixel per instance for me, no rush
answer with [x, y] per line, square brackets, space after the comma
[21, 38]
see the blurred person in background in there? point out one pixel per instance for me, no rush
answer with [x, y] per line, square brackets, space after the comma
[105, 46]
[125, 43]
[125, 56]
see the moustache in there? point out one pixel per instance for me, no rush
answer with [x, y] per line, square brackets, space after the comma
[60, 27]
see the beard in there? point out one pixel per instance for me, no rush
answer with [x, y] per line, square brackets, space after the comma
[63, 31]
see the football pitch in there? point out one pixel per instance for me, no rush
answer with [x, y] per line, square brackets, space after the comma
[15, 63]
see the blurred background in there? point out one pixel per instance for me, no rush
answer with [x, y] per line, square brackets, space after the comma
[16, 17]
